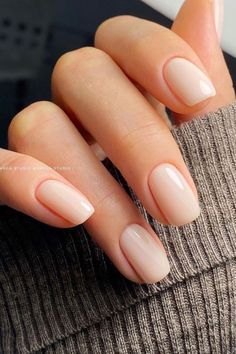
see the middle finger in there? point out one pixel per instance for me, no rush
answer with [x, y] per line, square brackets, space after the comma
[88, 84]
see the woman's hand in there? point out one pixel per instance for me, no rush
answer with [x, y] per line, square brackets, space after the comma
[112, 94]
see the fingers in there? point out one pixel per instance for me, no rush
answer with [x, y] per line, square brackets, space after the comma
[116, 224]
[199, 23]
[159, 60]
[30, 186]
[130, 132]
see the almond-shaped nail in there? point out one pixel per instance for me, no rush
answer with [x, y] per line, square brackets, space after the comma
[173, 195]
[65, 201]
[144, 254]
[188, 82]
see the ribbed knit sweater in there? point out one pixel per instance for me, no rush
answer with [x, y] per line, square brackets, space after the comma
[60, 294]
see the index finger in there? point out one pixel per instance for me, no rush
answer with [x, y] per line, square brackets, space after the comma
[159, 60]
[207, 46]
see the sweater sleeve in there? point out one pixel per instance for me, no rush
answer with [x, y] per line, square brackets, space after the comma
[59, 293]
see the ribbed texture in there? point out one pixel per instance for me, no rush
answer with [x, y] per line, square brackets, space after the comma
[186, 318]
[58, 291]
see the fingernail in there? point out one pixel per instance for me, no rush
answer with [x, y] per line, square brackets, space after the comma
[98, 151]
[64, 201]
[188, 82]
[144, 254]
[219, 16]
[173, 195]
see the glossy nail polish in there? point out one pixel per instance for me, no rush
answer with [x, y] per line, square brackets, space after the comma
[65, 201]
[144, 254]
[188, 82]
[98, 151]
[173, 195]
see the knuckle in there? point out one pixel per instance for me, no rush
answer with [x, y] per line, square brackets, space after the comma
[30, 120]
[110, 202]
[139, 38]
[78, 62]
[41, 107]
[147, 39]
[107, 24]
[137, 139]
[15, 162]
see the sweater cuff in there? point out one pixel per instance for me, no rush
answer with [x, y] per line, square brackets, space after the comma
[208, 146]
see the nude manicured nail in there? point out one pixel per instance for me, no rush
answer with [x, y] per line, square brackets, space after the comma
[98, 151]
[173, 195]
[219, 16]
[188, 82]
[144, 254]
[65, 201]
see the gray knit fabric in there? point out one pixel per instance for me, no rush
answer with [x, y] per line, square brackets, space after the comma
[60, 294]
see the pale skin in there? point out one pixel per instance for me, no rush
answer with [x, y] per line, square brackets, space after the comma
[106, 92]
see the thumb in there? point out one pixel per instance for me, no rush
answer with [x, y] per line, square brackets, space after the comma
[202, 31]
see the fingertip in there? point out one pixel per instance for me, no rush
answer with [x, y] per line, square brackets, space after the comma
[65, 201]
[144, 254]
[188, 82]
[199, 23]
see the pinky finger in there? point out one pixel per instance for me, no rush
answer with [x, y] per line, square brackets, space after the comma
[32, 187]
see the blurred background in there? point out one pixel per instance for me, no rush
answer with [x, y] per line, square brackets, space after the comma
[34, 34]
